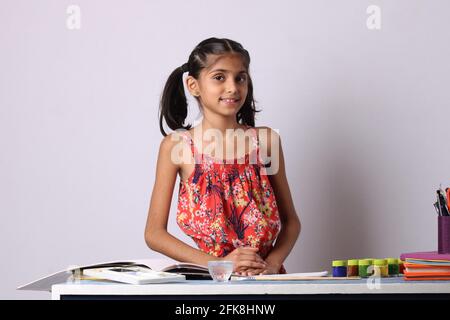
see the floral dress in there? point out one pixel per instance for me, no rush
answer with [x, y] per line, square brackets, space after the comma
[223, 205]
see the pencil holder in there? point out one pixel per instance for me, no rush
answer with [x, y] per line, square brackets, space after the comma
[443, 234]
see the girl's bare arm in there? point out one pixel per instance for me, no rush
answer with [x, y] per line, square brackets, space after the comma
[156, 235]
[290, 223]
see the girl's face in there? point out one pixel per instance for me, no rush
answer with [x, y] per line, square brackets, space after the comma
[222, 87]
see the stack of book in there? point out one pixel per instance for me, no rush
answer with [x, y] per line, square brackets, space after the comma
[426, 266]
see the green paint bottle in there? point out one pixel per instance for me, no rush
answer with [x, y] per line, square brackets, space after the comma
[363, 266]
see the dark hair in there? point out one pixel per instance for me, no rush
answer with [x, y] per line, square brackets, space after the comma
[173, 105]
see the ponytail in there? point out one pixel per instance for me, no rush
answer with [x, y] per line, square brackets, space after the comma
[173, 105]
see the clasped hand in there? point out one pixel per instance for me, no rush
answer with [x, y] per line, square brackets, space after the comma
[248, 262]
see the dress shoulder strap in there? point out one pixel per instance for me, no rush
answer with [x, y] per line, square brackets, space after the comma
[187, 137]
[255, 137]
[255, 142]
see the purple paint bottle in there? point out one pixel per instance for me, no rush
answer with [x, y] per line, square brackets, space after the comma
[339, 268]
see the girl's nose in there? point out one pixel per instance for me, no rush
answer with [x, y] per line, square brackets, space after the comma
[231, 86]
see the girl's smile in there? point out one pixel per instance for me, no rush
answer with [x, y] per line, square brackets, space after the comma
[230, 102]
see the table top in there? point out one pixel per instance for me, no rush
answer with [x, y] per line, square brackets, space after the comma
[394, 285]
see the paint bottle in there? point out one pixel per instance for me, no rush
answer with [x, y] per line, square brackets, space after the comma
[339, 268]
[370, 270]
[392, 267]
[380, 267]
[363, 266]
[401, 266]
[352, 268]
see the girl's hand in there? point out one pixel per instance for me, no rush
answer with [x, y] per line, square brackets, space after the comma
[245, 258]
[270, 268]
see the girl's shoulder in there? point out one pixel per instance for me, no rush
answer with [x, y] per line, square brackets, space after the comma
[269, 139]
[267, 136]
[177, 137]
[174, 146]
[170, 141]
[266, 130]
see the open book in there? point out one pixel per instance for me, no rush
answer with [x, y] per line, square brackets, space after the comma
[132, 275]
[190, 270]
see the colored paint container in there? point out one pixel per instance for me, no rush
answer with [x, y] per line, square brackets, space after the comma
[401, 266]
[393, 268]
[352, 268]
[363, 268]
[339, 268]
[380, 267]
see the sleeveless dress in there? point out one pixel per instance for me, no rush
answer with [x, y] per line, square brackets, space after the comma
[227, 204]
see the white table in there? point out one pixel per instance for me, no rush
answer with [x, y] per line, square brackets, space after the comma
[242, 290]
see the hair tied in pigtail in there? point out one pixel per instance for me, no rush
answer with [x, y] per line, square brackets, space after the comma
[185, 67]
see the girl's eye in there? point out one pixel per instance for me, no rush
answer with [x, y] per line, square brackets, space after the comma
[241, 79]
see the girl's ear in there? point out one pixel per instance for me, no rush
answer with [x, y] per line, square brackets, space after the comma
[192, 86]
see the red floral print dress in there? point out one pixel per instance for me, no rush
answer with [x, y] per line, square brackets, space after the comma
[223, 206]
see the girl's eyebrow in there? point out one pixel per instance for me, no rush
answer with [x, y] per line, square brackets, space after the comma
[223, 70]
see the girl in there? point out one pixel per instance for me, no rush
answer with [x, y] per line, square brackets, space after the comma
[231, 208]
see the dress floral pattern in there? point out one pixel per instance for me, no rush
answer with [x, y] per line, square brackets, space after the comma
[223, 206]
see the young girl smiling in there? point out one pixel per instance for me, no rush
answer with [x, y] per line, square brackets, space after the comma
[231, 207]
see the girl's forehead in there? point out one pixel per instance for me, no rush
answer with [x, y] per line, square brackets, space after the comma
[231, 61]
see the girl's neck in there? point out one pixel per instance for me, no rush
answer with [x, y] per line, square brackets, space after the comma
[204, 140]
[221, 125]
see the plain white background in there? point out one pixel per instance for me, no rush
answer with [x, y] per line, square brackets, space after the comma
[363, 116]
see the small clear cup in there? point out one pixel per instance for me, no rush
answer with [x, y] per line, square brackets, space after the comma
[220, 270]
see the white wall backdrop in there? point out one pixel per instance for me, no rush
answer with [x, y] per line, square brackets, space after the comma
[363, 114]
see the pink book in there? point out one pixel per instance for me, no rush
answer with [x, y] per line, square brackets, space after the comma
[428, 255]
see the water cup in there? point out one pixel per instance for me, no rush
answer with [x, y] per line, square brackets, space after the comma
[220, 271]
